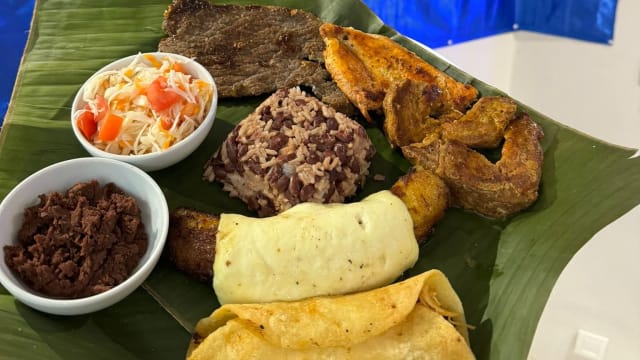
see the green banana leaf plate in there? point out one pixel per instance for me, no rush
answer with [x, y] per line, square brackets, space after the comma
[502, 270]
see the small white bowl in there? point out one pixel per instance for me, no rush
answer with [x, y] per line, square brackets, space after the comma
[176, 152]
[60, 177]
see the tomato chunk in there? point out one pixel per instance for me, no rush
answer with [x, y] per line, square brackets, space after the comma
[87, 123]
[159, 98]
[110, 128]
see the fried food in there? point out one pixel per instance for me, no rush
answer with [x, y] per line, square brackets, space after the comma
[495, 190]
[419, 318]
[313, 249]
[483, 125]
[365, 65]
[426, 197]
[407, 106]
[191, 242]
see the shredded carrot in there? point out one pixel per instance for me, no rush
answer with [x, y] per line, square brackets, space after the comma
[152, 59]
[178, 67]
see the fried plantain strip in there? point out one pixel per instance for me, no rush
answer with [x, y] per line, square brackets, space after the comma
[191, 242]
[426, 197]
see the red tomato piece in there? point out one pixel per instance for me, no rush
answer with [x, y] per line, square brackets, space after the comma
[87, 123]
[159, 98]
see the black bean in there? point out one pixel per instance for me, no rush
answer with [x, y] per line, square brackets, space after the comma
[278, 141]
[294, 185]
[293, 200]
[275, 172]
[242, 150]
[337, 176]
[232, 150]
[282, 183]
[329, 194]
[341, 151]
[360, 131]
[354, 165]
[219, 172]
[345, 136]
[313, 158]
[332, 124]
[300, 102]
[306, 192]
[276, 124]
[317, 120]
[288, 123]
[254, 166]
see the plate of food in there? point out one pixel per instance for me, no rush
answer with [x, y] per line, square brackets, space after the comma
[347, 166]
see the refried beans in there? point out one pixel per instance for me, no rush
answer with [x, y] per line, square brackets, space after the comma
[79, 243]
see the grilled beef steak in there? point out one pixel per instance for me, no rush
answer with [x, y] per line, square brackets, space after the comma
[252, 50]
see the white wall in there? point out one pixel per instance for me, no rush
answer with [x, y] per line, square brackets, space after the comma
[596, 89]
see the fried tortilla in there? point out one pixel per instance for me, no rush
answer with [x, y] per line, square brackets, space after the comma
[313, 249]
[406, 320]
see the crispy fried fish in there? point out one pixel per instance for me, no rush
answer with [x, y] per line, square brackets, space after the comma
[484, 124]
[407, 106]
[426, 197]
[365, 65]
[495, 190]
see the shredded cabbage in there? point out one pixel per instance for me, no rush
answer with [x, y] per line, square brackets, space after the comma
[143, 129]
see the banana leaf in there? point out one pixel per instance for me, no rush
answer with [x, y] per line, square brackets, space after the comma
[502, 270]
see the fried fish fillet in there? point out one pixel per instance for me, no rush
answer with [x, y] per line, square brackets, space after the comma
[426, 197]
[407, 106]
[484, 124]
[495, 190]
[365, 65]
[191, 242]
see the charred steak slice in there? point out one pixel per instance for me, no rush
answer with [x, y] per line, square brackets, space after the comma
[252, 50]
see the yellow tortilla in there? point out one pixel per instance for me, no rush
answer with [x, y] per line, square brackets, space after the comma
[312, 250]
[405, 320]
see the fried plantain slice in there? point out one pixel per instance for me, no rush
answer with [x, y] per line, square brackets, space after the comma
[191, 242]
[426, 197]
[484, 124]
[365, 65]
[494, 190]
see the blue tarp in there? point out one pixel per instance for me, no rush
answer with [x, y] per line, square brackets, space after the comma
[440, 22]
[15, 20]
[431, 22]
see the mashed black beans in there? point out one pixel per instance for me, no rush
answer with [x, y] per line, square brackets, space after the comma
[79, 243]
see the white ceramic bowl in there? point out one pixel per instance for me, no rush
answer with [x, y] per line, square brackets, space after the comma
[60, 177]
[175, 153]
